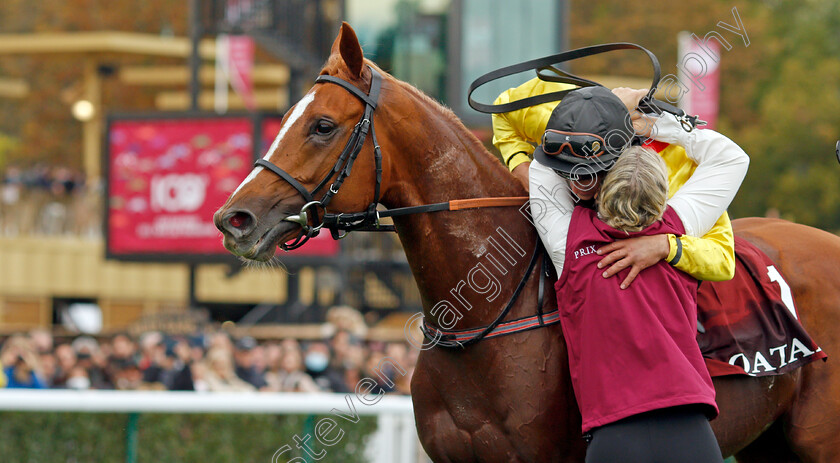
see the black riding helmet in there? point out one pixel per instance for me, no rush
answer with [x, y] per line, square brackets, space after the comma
[585, 133]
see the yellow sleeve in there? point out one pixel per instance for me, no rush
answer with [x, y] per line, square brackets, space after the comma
[508, 135]
[516, 133]
[710, 258]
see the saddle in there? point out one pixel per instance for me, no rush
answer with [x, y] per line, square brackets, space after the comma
[750, 325]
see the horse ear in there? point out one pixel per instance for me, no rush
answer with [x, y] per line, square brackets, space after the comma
[347, 45]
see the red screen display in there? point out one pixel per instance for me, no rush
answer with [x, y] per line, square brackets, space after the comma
[166, 178]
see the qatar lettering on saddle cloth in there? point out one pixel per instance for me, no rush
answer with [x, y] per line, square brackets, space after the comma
[749, 325]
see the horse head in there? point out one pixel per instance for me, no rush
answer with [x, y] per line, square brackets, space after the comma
[312, 140]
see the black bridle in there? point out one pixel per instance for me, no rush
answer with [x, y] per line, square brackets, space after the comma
[341, 170]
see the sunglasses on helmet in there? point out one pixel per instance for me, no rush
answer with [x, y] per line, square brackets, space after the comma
[582, 145]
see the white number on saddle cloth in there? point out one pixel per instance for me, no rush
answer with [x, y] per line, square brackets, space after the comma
[787, 296]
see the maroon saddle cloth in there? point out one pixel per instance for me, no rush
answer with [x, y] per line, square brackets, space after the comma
[750, 325]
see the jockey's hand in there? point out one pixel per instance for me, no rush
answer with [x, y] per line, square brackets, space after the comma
[635, 253]
[642, 123]
[629, 96]
[521, 174]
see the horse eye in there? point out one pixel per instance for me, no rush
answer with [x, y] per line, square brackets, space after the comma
[323, 128]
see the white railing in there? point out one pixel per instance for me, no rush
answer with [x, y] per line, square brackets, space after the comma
[395, 440]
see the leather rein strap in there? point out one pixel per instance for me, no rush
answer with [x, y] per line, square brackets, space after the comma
[544, 67]
[547, 71]
[463, 338]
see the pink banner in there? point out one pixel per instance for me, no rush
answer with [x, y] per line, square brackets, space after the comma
[241, 67]
[699, 66]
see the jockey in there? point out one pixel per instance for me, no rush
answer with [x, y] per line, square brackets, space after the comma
[706, 251]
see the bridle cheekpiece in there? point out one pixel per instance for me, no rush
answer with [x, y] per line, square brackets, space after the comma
[341, 170]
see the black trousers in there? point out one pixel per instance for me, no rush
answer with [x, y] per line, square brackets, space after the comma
[678, 435]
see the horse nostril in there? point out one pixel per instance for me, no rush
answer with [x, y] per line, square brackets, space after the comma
[240, 220]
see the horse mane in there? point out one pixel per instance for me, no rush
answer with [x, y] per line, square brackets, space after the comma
[335, 66]
[449, 116]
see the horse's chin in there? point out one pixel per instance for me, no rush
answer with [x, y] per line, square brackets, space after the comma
[264, 248]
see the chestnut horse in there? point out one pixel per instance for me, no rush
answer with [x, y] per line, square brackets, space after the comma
[508, 399]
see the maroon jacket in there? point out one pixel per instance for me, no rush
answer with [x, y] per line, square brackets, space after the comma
[632, 350]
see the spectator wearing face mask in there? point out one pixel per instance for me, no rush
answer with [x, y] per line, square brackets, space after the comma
[78, 379]
[90, 357]
[317, 362]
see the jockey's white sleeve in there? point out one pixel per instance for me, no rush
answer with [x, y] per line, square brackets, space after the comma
[552, 204]
[721, 167]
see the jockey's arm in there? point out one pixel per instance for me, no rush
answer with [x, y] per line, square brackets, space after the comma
[709, 258]
[516, 152]
[700, 201]
[510, 141]
[551, 204]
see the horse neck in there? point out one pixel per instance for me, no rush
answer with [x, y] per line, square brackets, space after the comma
[471, 260]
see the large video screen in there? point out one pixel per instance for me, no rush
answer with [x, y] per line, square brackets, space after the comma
[167, 176]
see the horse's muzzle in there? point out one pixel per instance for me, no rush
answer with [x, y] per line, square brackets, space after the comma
[235, 223]
[253, 239]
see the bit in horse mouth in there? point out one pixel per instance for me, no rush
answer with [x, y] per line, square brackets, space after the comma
[264, 248]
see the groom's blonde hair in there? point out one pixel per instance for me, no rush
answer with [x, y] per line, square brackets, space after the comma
[634, 191]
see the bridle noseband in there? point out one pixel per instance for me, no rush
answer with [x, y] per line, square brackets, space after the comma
[341, 170]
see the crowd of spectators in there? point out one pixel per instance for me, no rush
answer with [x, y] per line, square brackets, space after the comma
[46, 199]
[207, 362]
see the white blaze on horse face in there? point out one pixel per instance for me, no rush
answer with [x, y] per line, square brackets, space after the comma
[250, 177]
[300, 107]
